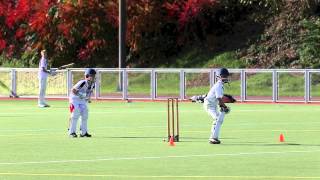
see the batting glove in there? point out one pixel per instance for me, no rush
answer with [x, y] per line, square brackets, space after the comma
[53, 72]
[225, 109]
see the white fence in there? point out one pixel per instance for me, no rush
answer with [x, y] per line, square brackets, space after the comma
[267, 85]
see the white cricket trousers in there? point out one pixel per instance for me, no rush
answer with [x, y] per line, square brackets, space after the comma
[42, 90]
[217, 117]
[78, 110]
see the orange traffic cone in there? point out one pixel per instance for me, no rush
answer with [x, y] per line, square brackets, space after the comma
[281, 138]
[171, 141]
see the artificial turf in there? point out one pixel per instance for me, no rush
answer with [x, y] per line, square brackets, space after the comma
[127, 142]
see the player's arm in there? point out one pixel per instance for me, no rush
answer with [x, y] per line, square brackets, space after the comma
[76, 89]
[43, 66]
[46, 70]
[223, 107]
[221, 103]
[227, 98]
[77, 93]
[219, 96]
[90, 93]
[89, 97]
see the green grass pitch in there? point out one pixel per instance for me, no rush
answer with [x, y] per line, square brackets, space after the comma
[127, 142]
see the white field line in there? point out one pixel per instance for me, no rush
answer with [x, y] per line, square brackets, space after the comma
[153, 157]
[154, 176]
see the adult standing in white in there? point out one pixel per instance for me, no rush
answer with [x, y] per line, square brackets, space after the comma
[79, 97]
[43, 75]
[213, 99]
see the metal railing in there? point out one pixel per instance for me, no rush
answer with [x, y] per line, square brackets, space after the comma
[267, 85]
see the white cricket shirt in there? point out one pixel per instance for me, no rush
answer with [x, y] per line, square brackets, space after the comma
[43, 64]
[83, 87]
[215, 92]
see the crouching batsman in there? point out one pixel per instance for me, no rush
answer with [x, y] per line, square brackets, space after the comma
[214, 104]
[79, 97]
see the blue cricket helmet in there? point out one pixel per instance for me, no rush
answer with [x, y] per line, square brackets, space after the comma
[90, 71]
[222, 72]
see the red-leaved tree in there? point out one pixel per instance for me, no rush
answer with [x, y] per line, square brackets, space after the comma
[85, 31]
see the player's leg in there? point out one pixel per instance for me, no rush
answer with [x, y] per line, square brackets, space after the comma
[216, 126]
[84, 120]
[215, 123]
[74, 119]
[40, 99]
[217, 118]
[71, 109]
[42, 92]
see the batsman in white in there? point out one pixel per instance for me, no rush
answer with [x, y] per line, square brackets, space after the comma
[211, 102]
[43, 75]
[79, 97]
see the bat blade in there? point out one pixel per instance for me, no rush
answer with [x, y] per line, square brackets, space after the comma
[66, 66]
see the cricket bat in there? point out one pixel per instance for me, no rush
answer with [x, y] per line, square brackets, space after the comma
[53, 71]
[66, 66]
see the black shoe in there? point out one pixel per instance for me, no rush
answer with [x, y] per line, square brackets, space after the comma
[214, 141]
[85, 135]
[73, 135]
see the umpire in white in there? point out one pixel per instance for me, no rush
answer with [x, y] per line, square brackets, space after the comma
[43, 75]
[79, 97]
[212, 101]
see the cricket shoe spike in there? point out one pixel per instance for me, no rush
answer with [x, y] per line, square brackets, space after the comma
[171, 141]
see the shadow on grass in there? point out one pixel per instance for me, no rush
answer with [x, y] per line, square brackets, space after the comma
[130, 137]
[266, 144]
[198, 139]
[205, 140]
